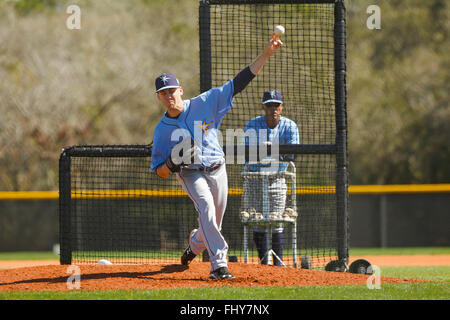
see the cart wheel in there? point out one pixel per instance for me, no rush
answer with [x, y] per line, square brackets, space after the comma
[361, 266]
[336, 266]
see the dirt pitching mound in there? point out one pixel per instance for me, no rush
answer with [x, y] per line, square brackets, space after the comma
[141, 277]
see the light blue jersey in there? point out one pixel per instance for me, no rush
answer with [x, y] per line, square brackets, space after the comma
[286, 132]
[200, 119]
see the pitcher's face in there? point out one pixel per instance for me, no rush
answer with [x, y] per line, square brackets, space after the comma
[172, 99]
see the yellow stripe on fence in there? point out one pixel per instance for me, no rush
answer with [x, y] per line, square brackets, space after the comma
[99, 194]
[399, 188]
[161, 193]
[180, 193]
[29, 195]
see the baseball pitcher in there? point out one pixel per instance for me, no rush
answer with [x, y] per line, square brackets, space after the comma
[186, 143]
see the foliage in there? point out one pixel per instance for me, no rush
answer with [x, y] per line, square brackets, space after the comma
[63, 87]
[25, 7]
[398, 93]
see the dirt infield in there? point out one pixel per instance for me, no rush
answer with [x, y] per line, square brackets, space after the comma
[49, 275]
[54, 278]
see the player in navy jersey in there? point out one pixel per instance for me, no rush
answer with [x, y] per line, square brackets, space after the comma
[185, 142]
[271, 128]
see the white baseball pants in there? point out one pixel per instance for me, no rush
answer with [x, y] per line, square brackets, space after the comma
[209, 192]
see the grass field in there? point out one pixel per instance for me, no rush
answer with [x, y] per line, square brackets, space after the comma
[48, 255]
[427, 291]
[437, 289]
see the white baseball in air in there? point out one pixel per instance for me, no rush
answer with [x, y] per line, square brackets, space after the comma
[278, 30]
[104, 262]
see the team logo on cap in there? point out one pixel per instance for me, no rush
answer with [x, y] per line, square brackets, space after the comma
[164, 79]
[272, 93]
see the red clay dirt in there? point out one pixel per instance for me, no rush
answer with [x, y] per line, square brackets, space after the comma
[52, 277]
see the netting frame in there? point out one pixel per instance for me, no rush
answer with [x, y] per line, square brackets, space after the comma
[65, 191]
[339, 148]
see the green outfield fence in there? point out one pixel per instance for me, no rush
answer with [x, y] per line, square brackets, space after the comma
[380, 216]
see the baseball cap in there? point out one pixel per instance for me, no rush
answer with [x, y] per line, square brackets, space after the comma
[166, 81]
[272, 96]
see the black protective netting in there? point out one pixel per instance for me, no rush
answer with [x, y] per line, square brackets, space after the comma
[120, 211]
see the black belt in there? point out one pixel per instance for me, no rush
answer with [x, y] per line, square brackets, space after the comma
[211, 168]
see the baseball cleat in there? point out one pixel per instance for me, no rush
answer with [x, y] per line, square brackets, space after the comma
[221, 273]
[188, 255]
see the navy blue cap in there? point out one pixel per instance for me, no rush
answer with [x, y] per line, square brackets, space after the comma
[166, 81]
[272, 96]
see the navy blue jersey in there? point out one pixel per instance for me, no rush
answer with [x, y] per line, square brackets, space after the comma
[286, 132]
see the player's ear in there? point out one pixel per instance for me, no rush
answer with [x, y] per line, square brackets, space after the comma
[181, 90]
[158, 96]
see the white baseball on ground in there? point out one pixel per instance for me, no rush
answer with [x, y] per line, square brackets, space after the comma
[105, 262]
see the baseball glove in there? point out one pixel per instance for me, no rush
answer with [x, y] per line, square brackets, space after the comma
[183, 154]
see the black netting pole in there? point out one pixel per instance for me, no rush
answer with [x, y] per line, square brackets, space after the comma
[64, 208]
[341, 131]
[205, 58]
[205, 46]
